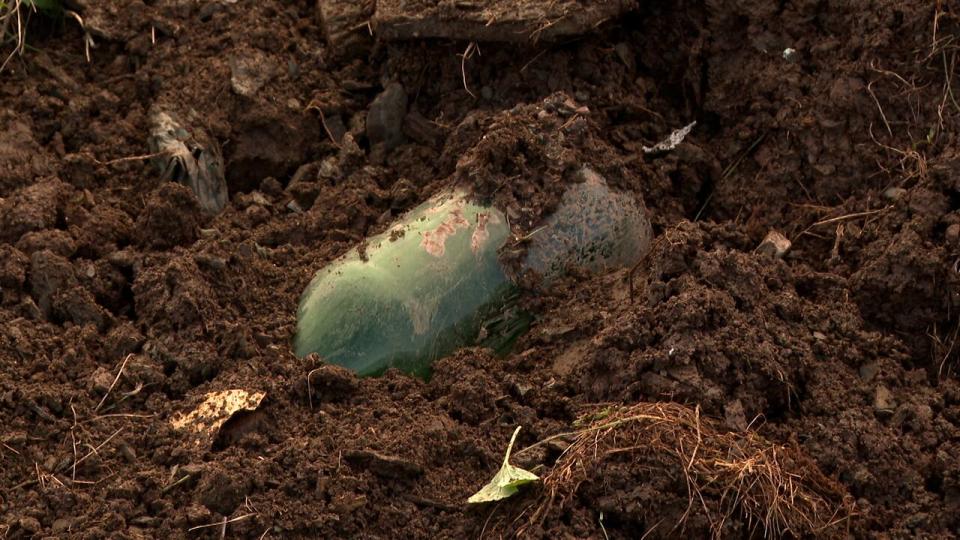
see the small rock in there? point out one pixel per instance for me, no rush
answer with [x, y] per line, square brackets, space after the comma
[403, 194]
[196, 514]
[774, 245]
[258, 198]
[952, 234]
[894, 193]
[294, 207]
[28, 308]
[383, 465]
[625, 54]
[883, 401]
[30, 524]
[206, 260]
[100, 380]
[734, 415]
[385, 117]
[127, 452]
[61, 525]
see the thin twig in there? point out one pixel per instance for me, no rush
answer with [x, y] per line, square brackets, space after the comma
[97, 449]
[850, 216]
[467, 54]
[221, 523]
[115, 379]
[142, 157]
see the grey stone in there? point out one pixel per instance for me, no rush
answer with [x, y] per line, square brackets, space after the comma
[385, 117]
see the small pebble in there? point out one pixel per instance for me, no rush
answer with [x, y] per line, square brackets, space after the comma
[30, 524]
[952, 233]
[883, 400]
[894, 193]
[774, 245]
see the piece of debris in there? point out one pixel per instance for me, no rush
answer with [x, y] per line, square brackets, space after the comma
[204, 422]
[507, 481]
[190, 157]
[492, 20]
[672, 141]
[774, 245]
[346, 26]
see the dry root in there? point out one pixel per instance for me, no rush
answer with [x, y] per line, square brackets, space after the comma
[774, 487]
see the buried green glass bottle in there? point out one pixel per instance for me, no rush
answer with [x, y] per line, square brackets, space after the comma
[433, 282]
[419, 291]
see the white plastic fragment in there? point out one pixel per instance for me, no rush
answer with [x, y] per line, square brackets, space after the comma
[672, 141]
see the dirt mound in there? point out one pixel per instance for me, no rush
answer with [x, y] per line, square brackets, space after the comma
[122, 302]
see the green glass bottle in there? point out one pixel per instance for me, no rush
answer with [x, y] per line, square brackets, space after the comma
[418, 292]
[434, 283]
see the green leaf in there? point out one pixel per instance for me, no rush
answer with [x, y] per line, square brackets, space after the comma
[506, 481]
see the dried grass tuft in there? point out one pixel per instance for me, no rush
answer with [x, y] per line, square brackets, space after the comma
[771, 486]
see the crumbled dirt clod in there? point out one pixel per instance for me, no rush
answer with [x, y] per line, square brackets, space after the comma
[220, 492]
[32, 208]
[172, 217]
[332, 383]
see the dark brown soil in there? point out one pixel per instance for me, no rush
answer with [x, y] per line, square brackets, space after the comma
[835, 123]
